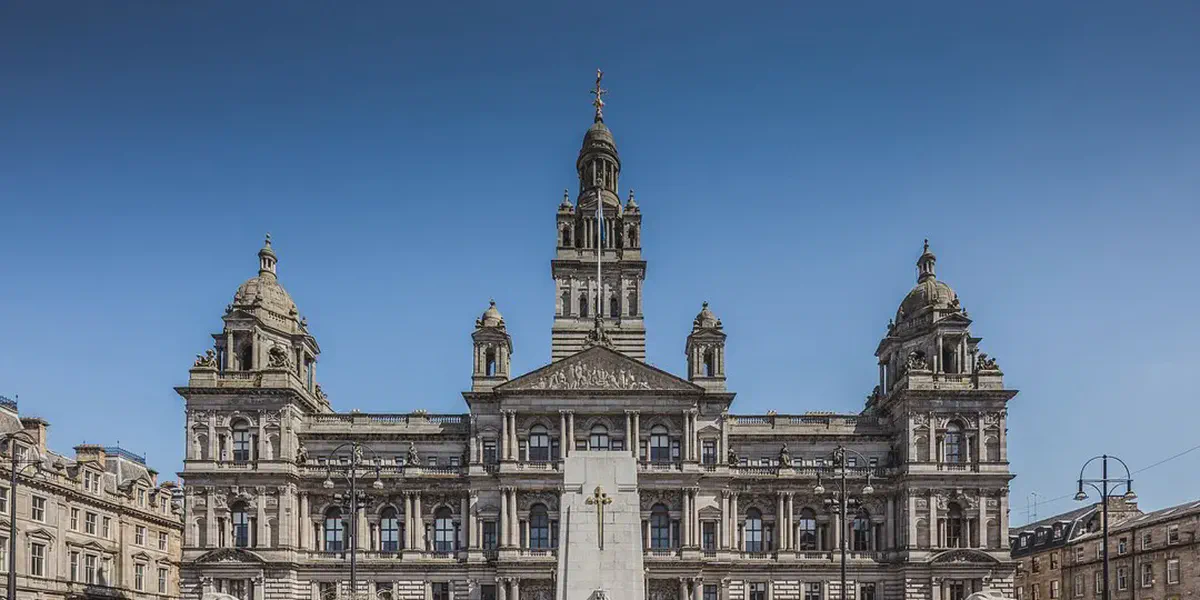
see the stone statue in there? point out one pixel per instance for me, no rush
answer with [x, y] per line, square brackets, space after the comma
[731, 458]
[915, 361]
[277, 358]
[785, 457]
[208, 360]
[302, 454]
[984, 363]
[412, 458]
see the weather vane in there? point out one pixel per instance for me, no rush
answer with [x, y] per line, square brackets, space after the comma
[599, 93]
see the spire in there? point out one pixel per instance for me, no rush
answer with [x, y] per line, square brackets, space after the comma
[925, 264]
[266, 258]
[566, 203]
[631, 204]
[598, 101]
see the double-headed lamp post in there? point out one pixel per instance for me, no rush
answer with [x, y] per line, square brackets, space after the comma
[843, 500]
[16, 466]
[352, 471]
[1105, 487]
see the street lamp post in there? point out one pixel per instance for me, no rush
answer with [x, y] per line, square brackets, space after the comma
[351, 471]
[16, 466]
[842, 498]
[1105, 487]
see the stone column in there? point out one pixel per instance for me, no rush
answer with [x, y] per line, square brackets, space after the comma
[890, 525]
[210, 520]
[571, 427]
[685, 520]
[933, 444]
[723, 534]
[512, 509]
[1003, 513]
[501, 588]
[462, 523]
[733, 524]
[683, 593]
[983, 532]
[475, 538]
[512, 431]
[637, 432]
[933, 521]
[685, 453]
[911, 537]
[516, 589]
[789, 517]
[697, 531]
[780, 525]
[629, 428]
[363, 539]
[645, 534]
[565, 437]
[418, 522]
[260, 520]
[723, 451]
[1002, 424]
[303, 523]
[503, 541]
[504, 435]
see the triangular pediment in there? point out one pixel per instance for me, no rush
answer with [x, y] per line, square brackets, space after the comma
[954, 319]
[599, 369]
[221, 555]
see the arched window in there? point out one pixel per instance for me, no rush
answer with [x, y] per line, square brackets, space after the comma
[992, 448]
[539, 443]
[921, 449]
[949, 358]
[807, 530]
[241, 525]
[632, 237]
[614, 306]
[273, 447]
[599, 438]
[583, 305]
[754, 531]
[954, 443]
[389, 530]
[954, 526]
[566, 303]
[246, 356]
[539, 527]
[710, 361]
[922, 540]
[566, 236]
[242, 439]
[490, 362]
[443, 531]
[200, 533]
[273, 533]
[862, 532]
[383, 593]
[660, 527]
[335, 530]
[201, 446]
[660, 444]
[633, 307]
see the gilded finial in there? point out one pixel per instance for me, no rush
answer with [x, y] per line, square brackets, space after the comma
[599, 93]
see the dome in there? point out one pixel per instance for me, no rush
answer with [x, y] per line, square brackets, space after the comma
[706, 319]
[929, 291]
[264, 289]
[491, 317]
[598, 132]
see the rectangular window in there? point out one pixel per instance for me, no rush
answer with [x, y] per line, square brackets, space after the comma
[708, 452]
[1098, 583]
[710, 592]
[866, 591]
[431, 461]
[89, 568]
[162, 580]
[37, 509]
[1147, 575]
[454, 461]
[873, 462]
[37, 560]
[490, 455]
[139, 535]
[812, 591]
[74, 519]
[1173, 534]
[489, 535]
[327, 590]
[708, 535]
[107, 529]
[1122, 578]
[1037, 565]
[1054, 589]
[1053, 560]
[851, 461]
[758, 590]
[162, 540]
[675, 450]
[139, 577]
[1036, 590]
[1147, 540]
[1077, 586]
[89, 523]
[1173, 571]
[441, 590]
[74, 566]
[487, 592]
[3, 500]
[618, 445]
[1122, 545]
[142, 498]
[1078, 553]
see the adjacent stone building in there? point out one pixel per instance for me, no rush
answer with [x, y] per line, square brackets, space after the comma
[467, 506]
[98, 525]
[1152, 556]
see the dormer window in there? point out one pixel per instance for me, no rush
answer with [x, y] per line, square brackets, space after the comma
[141, 497]
[91, 481]
[1058, 532]
[1041, 536]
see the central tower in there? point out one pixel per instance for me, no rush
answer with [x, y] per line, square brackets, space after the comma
[598, 268]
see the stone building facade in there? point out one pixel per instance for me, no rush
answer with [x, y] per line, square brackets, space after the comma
[467, 505]
[1152, 556]
[98, 525]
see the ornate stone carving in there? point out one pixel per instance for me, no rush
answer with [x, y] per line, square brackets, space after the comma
[528, 500]
[985, 363]
[785, 457]
[208, 360]
[920, 419]
[668, 498]
[916, 361]
[599, 369]
[731, 458]
[412, 458]
[278, 358]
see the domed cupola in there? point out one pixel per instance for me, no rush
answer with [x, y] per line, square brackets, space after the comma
[706, 351]
[928, 294]
[264, 292]
[598, 165]
[493, 350]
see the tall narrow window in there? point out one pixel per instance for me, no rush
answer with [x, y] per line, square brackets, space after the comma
[614, 306]
[539, 527]
[335, 530]
[954, 443]
[709, 363]
[862, 532]
[566, 303]
[633, 307]
[389, 530]
[583, 305]
[754, 531]
[660, 527]
[539, 443]
[660, 444]
[443, 531]
[241, 441]
[490, 360]
[241, 525]
[806, 527]
[954, 526]
[37, 560]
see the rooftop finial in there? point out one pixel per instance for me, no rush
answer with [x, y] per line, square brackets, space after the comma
[925, 264]
[926, 244]
[267, 242]
[599, 93]
[266, 257]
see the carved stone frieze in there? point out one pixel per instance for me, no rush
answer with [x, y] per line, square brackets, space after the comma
[668, 498]
[599, 369]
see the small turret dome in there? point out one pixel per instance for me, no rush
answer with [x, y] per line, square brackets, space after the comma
[491, 317]
[264, 289]
[706, 319]
[929, 292]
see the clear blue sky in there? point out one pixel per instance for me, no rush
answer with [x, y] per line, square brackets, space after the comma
[788, 160]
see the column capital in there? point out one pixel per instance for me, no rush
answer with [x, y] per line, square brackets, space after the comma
[565, 411]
